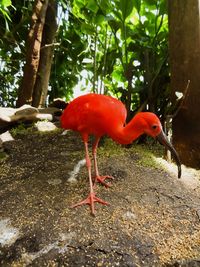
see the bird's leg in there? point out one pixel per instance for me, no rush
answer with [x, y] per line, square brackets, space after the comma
[91, 199]
[99, 178]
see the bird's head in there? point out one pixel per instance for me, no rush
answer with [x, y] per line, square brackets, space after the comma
[150, 123]
[152, 127]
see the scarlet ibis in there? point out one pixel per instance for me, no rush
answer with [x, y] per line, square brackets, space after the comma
[99, 115]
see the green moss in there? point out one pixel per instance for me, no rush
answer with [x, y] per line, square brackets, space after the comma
[3, 155]
[110, 148]
[147, 154]
[21, 129]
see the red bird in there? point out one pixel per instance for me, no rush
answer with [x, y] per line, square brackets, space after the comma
[99, 115]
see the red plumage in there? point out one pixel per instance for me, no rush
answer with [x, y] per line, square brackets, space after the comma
[94, 114]
[99, 115]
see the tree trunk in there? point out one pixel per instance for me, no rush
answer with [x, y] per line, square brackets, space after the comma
[33, 52]
[184, 40]
[46, 55]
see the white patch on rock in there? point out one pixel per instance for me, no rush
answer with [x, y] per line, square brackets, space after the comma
[8, 234]
[60, 245]
[76, 170]
[65, 240]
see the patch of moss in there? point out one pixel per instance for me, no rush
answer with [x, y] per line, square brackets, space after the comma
[110, 148]
[147, 154]
[3, 155]
[21, 129]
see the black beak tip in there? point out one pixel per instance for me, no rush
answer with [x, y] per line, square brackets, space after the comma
[164, 141]
[179, 171]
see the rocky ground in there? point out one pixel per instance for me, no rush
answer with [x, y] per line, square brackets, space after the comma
[153, 218]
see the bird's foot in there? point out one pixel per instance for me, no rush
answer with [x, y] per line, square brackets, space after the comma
[90, 200]
[101, 179]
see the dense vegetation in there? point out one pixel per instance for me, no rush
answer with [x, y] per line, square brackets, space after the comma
[117, 47]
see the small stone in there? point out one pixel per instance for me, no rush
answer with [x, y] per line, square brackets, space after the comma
[5, 137]
[45, 126]
[129, 216]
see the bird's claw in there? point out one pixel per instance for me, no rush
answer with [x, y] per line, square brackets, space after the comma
[90, 200]
[101, 179]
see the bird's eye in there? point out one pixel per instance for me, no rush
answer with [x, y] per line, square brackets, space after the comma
[154, 127]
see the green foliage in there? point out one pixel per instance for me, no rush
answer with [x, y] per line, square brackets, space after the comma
[117, 47]
[13, 34]
[4, 4]
[127, 45]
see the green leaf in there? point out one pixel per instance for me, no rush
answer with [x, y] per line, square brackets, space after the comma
[117, 74]
[137, 5]
[150, 2]
[79, 3]
[87, 28]
[163, 8]
[117, 14]
[98, 19]
[115, 25]
[105, 6]
[126, 6]
[91, 5]
[5, 3]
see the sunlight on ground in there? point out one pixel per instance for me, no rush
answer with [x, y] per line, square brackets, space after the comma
[190, 176]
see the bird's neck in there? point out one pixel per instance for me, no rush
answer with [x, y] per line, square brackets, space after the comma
[129, 133]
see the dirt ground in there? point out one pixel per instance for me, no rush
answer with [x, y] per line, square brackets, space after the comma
[153, 218]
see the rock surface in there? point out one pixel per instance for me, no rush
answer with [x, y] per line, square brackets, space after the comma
[152, 219]
[26, 113]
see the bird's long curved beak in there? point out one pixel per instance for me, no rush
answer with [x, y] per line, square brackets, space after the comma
[162, 138]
